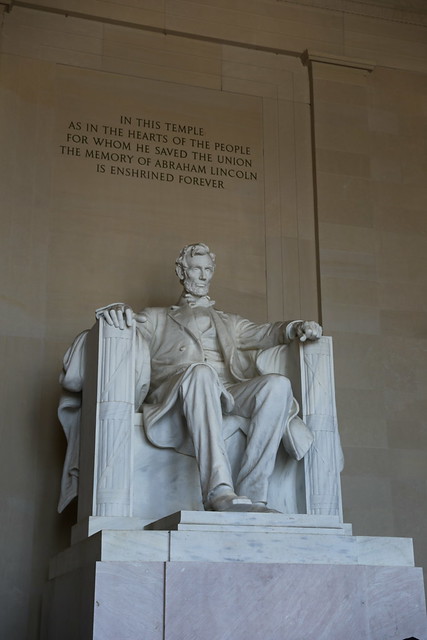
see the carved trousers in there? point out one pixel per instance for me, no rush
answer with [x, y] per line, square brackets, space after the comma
[265, 400]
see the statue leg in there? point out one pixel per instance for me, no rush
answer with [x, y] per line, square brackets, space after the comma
[266, 401]
[200, 394]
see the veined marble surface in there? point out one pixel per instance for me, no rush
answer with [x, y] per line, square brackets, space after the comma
[199, 536]
[245, 522]
[241, 601]
[289, 548]
[88, 526]
[213, 521]
[266, 577]
[235, 601]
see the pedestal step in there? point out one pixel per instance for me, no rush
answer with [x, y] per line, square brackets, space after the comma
[214, 521]
[200, 536]
[249, 523]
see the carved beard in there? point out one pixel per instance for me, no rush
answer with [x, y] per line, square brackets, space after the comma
[190, 286]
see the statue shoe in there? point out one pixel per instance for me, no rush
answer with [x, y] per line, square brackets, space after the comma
[228, 501]
[261, 507]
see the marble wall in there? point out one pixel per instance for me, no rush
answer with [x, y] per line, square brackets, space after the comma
[74, 237]
[370, 166]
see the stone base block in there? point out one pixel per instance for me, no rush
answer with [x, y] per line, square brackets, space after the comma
[219, 576]
[235, 601]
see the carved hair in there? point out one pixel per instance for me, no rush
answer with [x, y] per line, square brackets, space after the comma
[190, 250]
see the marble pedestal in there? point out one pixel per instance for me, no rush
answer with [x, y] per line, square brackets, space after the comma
[216, 576]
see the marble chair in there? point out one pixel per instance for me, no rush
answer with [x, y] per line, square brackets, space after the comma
[123, 481]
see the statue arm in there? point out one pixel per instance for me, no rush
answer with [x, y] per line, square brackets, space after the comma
[250, 335]
[262, 336]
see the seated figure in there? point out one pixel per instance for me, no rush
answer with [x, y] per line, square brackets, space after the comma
[199, 373]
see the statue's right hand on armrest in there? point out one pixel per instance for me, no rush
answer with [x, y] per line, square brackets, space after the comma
[117, 315]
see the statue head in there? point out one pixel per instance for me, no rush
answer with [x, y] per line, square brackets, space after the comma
[195, 267]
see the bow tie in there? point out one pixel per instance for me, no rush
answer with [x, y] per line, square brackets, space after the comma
[194, 301]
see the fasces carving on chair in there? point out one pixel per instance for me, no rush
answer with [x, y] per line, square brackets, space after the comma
[190, 369]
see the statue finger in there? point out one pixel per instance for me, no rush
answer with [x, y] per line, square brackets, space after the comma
[114, 318]
[128, 316]
[107, 317]
[316, 331]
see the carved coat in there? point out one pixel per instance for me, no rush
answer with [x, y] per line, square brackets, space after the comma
[175, 345]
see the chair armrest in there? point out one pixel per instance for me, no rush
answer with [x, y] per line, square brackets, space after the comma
[107, 419]
[309, 366]
[324, 461]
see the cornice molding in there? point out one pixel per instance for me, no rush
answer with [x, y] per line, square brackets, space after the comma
[355, 63]
[405, 11]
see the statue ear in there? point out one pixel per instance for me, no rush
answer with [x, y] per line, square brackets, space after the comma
[179, 272]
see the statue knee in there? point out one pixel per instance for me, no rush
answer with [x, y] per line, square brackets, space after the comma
[277, 384]
[201, 379]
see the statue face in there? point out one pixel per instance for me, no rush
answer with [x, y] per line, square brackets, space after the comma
[198, 275]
